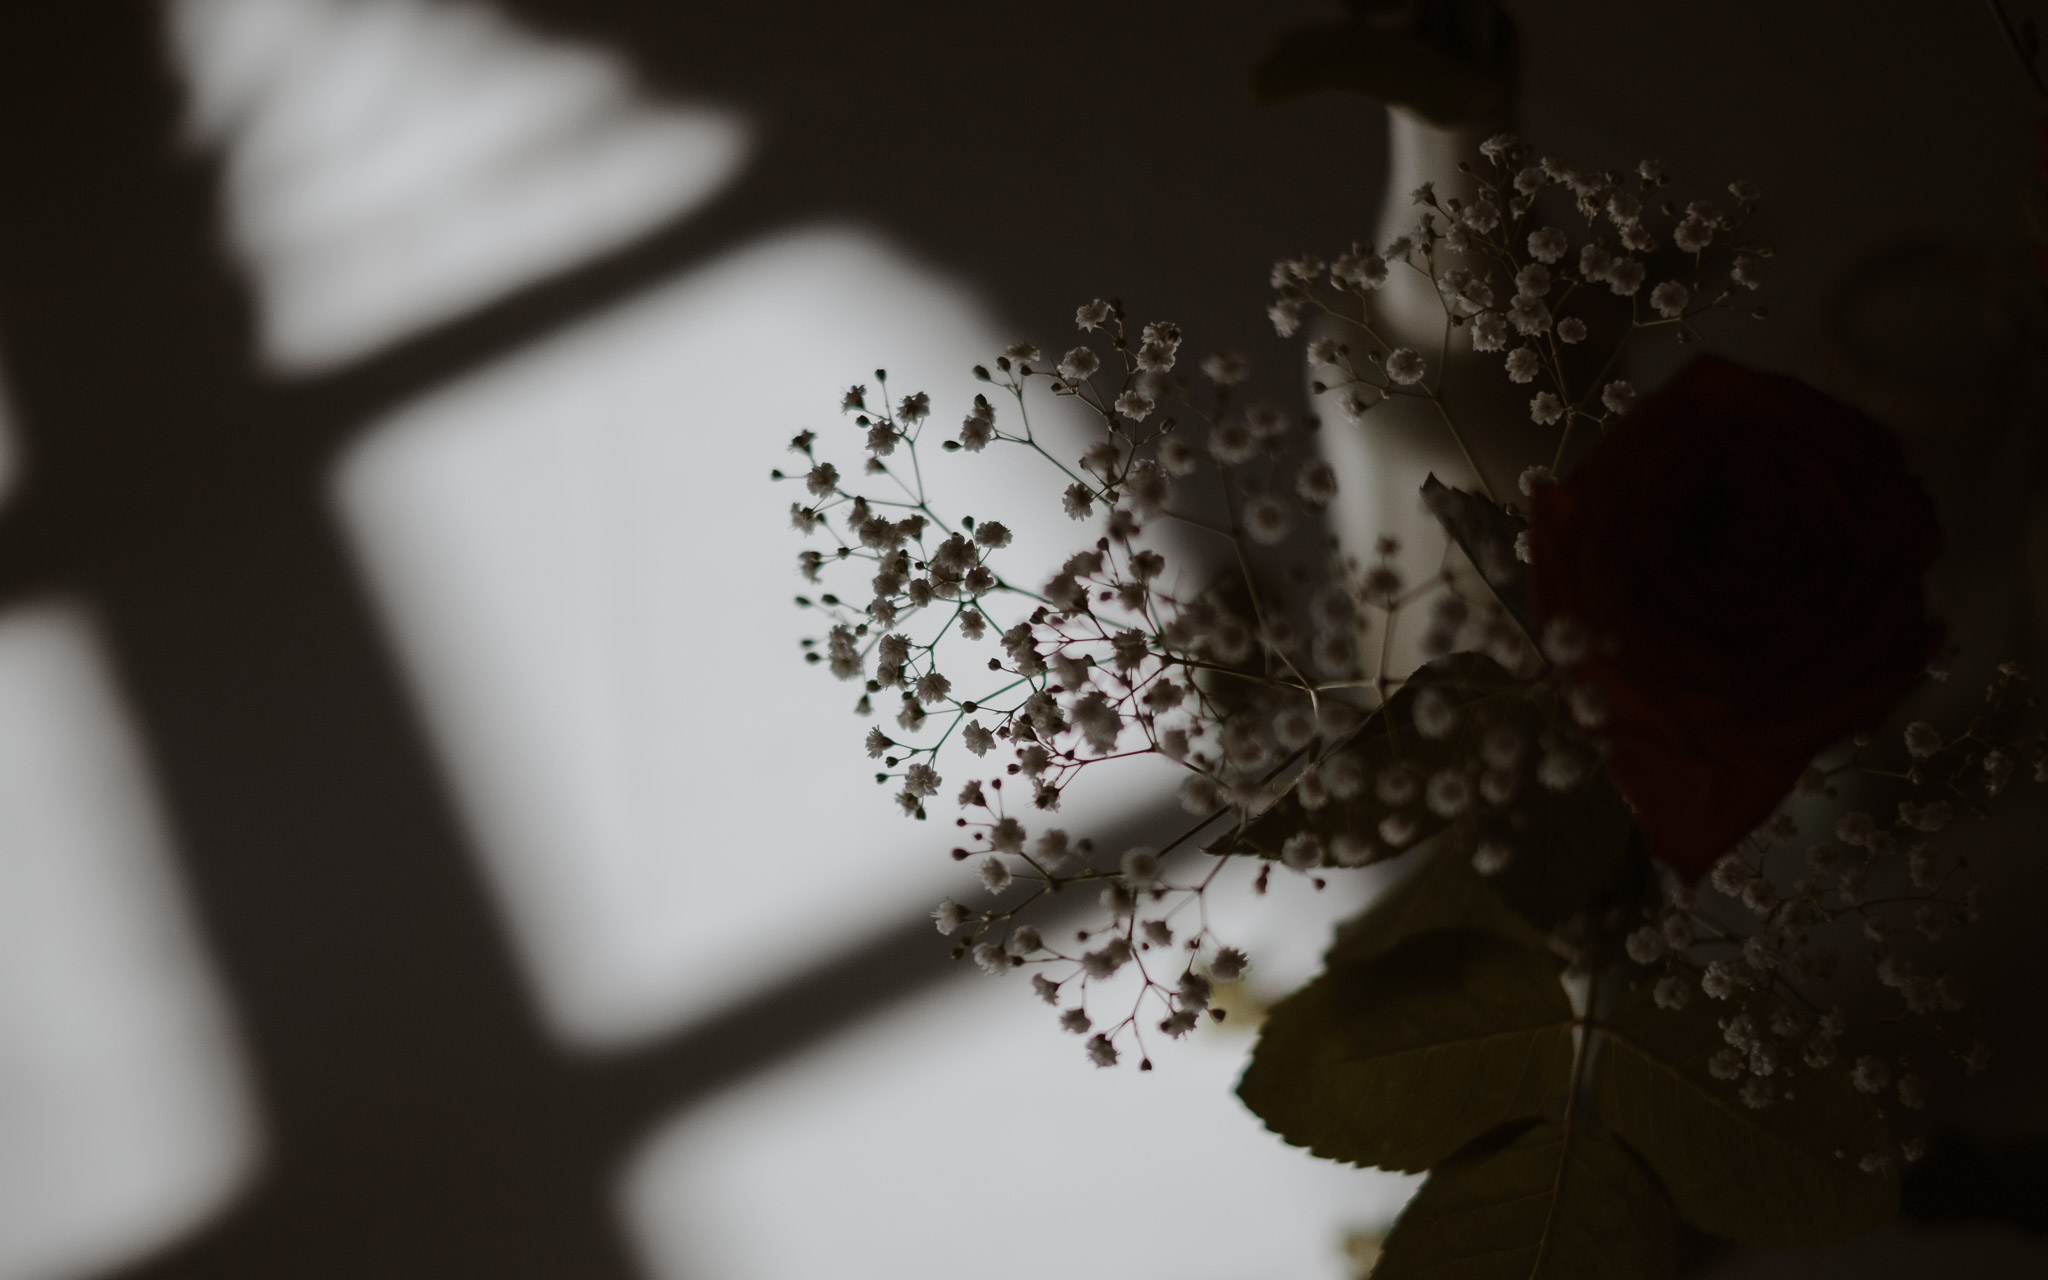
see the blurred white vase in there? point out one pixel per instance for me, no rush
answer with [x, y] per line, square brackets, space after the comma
[1382, 461]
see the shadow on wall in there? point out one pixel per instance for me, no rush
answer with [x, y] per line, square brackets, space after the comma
[197, 482]
[415, 1113]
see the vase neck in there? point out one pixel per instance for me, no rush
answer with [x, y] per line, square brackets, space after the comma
[1419, 152]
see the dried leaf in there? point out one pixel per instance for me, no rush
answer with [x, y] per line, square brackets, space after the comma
[1486, 533]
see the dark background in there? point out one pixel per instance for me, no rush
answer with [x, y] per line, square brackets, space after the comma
[418, 1120]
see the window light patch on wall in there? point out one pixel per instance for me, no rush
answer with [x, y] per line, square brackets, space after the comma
[393, 164]
[963, 1132]
[590, 579]
[124, 1116]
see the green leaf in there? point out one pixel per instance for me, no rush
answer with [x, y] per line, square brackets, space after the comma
[1441, 891]
[1401, 1060]
[1554, 1204]
[1486, 533]
[1783, 1176]
[1566, 848]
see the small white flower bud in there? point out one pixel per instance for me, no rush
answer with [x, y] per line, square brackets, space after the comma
[1730, 874]
[1351, 850]
[1929, 817]
[1759, 895]
[1435, 714]
[1566, 641]
[1489, 331]
[1228, 966]
[1677, 931]
[1870, 1075]
[1740, 1031]
[949, 916]
[995, 875]
[1141, 866]
[1588, 704]
[1492, 857]
[1397, 829]
[1118, 901]
[1913, 1092]
[1396, 785]
[1449, 793]
[1561, 770]
[1727, 1064]
[1645, 945]
[1200, 795]
[1763, 1058]
[1718, 981]
[1178, 1023]
[1106, 961]
[1343, 775]
[1406, 366]
[1303, 851]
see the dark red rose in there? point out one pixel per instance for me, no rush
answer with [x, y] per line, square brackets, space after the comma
[1747, 553]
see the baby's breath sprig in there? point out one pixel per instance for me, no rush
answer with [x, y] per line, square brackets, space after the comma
[1780, 910]
[1165, 638]
[1125, 651]
[1209, 622]
[1517, 284]
[1128, 650]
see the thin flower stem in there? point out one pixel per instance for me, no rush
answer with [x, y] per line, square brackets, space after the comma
[1464, 448]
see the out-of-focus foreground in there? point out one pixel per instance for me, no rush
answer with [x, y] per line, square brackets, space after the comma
[422, 852]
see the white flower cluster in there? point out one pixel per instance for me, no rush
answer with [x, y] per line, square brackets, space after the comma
[1518, 284]
[1251, 673]
[1778, 913]
[1120, 653]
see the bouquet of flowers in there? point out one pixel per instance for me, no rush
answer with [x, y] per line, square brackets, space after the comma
[1646, 824]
